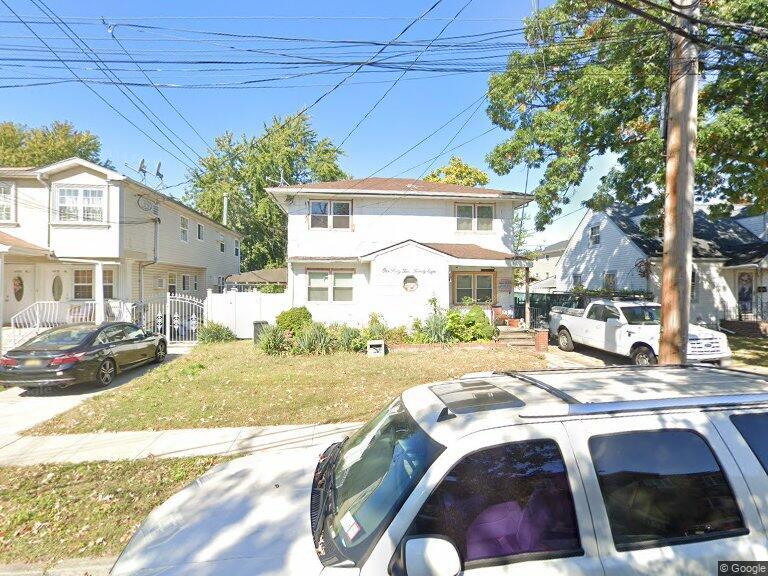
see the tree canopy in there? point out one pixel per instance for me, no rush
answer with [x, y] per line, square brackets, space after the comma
[244, 167]
[595, 81]
[24, 146]
[459, 172]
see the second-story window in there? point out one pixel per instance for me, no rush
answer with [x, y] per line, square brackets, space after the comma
[80, 204]
[222, 246]
[184, 229]
[200, 232]
[172, 282]
[325, 214]
[237, 248]
[7, 202]
[474, 217]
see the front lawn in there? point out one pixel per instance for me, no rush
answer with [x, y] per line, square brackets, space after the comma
[749, 351]
[51, 512]
[234, 384]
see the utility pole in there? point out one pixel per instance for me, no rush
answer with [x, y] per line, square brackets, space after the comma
[678, 204]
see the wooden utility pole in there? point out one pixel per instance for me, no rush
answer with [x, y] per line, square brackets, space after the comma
[678, 204]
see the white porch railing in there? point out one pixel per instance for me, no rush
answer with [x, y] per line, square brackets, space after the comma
[42, 315]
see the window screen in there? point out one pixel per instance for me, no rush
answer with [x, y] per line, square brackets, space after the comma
[754, 429]
[503, 502]
[663, 487]
[318, 214]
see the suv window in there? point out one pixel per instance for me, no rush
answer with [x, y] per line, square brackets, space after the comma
[754, 429]
[596, 312]
[663, 487]
[503, 502]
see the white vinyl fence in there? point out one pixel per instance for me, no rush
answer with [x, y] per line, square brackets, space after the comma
[239, 310]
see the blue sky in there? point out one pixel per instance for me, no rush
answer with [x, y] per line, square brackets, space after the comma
[413, 109]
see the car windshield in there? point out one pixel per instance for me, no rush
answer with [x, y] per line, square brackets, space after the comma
[642, 314]
[64, 337]
[378, 468]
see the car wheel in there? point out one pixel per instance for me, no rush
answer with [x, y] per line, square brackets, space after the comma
[564, 340]
[160, 352]
[644, 356]
[105, 375]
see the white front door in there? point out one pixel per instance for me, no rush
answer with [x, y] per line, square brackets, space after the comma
[56, 284]
[19, 288]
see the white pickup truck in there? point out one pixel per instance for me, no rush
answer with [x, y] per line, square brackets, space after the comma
[632, 329]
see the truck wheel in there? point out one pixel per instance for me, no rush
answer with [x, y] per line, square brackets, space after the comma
[564, 341]
[643, 356]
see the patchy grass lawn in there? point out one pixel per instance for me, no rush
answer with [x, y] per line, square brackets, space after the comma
[749, 351]
[50, 512]
[234, 384]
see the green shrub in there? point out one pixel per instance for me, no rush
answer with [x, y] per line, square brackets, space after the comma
[274, 340]
[271, 288]
[294, 319]
[376, 329]
[214, 332]
[479, 324]
[456, 327]
[435, 329]
[350, 339]
[313, 339]
[397, 335]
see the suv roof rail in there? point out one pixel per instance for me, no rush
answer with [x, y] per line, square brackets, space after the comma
[528, 379]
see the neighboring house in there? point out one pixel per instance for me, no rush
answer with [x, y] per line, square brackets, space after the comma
[77, 232]
[543, 270]
[608, 250]
[389, 245]
[253, 279]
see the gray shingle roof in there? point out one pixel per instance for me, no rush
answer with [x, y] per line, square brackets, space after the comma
[724, 239]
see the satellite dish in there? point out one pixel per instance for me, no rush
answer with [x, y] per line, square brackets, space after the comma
[143, 167]
[157, 171]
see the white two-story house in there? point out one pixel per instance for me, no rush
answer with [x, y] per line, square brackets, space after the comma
[79, 233]
[389, 245]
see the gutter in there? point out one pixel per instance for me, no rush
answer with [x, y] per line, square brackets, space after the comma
[50, 204]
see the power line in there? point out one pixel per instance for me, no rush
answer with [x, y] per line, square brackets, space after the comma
[95, 92]
[404, 72]
[125, 90]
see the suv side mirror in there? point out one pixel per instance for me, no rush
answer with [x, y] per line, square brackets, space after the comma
[431, 557]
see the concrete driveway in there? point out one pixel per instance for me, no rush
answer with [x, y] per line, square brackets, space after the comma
[21, 409]
[583, 357]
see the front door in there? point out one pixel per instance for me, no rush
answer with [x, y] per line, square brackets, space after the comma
[745, 284]
[56, 282]
[19, 288]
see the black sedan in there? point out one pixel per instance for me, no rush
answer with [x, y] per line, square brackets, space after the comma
[78, 353]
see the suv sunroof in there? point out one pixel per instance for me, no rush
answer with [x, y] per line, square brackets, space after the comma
[474, 396]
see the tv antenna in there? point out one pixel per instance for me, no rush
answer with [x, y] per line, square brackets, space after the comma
[281, 182]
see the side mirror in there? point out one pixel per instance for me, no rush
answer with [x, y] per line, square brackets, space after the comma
[431, 557]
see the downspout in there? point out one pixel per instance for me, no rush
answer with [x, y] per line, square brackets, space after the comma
[50, 205]
[154, 260]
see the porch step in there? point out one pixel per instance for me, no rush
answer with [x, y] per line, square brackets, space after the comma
[746, 328]
[515, 336]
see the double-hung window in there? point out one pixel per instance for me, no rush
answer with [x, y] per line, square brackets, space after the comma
[195, 282]
[237, 247]
[330, 285]
[184, 228]
[172, 282]
[594, 235]
[80, 204]
[473, 287]
[222, 246]
[200, 232]
[577, 281]
[7, 202]
[327, 214]
[83, 284]
[108, 280]
[609, 281]
[474, 217]
[185, 282]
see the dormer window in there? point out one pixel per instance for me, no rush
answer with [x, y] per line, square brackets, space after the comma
[474, 217]
[327, 214]
[594, 235]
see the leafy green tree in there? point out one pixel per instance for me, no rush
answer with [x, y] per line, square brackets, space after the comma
[594, 83]
[243, 168]
[24, 146]
[459, 172]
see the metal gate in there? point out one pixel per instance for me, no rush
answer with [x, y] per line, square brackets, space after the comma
[178, 316]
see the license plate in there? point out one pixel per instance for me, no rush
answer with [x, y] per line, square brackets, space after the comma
[33, 363]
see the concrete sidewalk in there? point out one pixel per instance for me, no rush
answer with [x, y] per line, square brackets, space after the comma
[18, 450]
[72, 567]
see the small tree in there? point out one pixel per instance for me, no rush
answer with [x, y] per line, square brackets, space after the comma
[24, 146]
[459, 172]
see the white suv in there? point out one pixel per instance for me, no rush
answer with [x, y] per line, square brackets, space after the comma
[622, 470]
